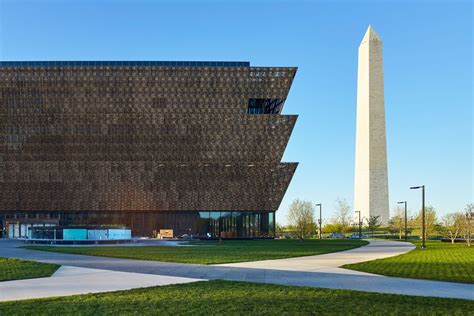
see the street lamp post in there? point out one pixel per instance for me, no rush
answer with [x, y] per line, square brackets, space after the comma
[423, 235]
[320, 220]
[360, 226]
[406, 221]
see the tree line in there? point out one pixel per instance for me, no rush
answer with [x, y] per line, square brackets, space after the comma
[302, 223]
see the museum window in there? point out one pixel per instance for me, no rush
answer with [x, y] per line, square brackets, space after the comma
[265, 106]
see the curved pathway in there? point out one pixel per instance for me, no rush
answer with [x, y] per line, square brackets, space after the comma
[330, 262]
[316, 271]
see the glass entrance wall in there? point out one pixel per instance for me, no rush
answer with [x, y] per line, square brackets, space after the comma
[16, 230]
[203, 224]
[237, 224]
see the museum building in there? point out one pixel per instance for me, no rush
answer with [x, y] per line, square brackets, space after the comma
[191, 147]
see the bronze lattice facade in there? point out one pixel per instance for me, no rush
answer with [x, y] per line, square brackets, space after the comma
[190, 146]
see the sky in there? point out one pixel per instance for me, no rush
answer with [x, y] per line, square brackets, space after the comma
[427, 47]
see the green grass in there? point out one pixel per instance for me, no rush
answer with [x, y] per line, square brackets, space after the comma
[14, 269]
[439, 261]
[238, 298]
[214, 252]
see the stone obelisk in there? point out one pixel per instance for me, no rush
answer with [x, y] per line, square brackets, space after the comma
[371, 178]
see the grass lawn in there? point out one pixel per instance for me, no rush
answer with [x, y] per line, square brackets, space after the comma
[14, 269]
[238, 298]
[439, 261]
[214, 252]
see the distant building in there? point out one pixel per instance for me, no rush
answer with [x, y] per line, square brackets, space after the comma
[194, 147]
[371, 178]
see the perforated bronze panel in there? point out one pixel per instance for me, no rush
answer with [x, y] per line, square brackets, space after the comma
[142, 138]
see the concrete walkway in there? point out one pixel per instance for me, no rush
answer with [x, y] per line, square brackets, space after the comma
[281, 273]
[72, 280]
[330, 262]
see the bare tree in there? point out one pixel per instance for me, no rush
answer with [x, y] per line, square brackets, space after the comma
[342, 215]
[468, 224]
[397, 222]
[373, 222]
[301, 216]
[452, 225]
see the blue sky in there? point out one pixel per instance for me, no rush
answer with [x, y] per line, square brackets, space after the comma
[427, 59]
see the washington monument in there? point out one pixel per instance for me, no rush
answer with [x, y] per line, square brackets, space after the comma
[371, 179]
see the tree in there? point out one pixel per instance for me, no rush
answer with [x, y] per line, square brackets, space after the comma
[342, 215]
[468, 224]
[452, 225]
[373, 222]
[397, 222]
[412, 225]
[332, 228]
[430, 221]
[301, 216]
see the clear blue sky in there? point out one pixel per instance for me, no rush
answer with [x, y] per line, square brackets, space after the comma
[427, 59]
